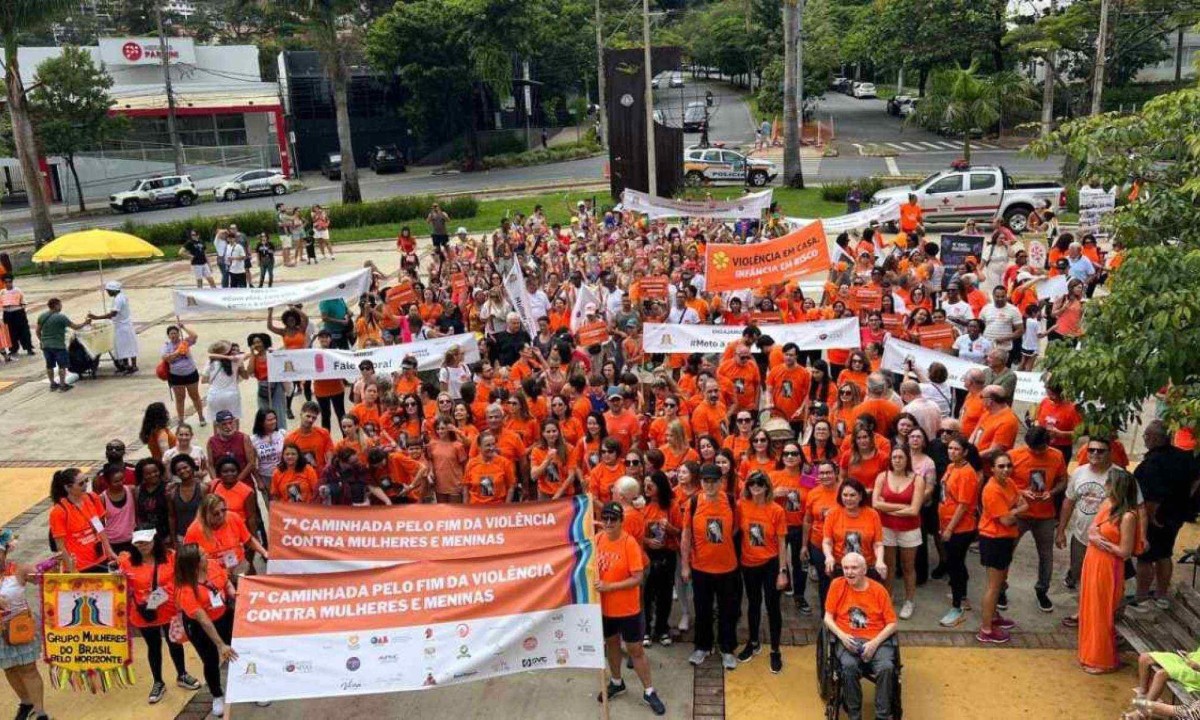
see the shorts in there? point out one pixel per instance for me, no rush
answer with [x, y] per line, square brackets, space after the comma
[201, 271]
[285, 241]
[440, 240]
[902, 538]
[321, 234]
[996, 553]
[191, 378]
[1029, 353]
[1160, 543]
[631, 628]
[55, 356]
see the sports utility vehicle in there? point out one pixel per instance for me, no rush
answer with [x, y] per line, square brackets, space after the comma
[145, 194]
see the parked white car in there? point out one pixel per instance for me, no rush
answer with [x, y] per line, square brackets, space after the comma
[252, 182]
[864, 90]
[981, 192]
[164, 190]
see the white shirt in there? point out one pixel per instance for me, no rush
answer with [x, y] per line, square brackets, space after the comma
[927, 413]
[612, 302]
[1000, 324]
[235, 259]
[960, 310]
[941, 395]
[454, 377]
[1087, 488]
[539, 303]
[973, 350]
[686, 316]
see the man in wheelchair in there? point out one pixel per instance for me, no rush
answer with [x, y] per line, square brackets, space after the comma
[859, 613]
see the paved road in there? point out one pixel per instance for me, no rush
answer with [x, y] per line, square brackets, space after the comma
[729, 118]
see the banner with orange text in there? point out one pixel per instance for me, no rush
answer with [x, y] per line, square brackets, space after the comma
[416, 626]
[330, 538]
[734, 267]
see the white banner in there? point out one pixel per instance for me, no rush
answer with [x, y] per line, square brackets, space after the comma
[818, 335]
[348, 286]
[854, 221]
[1051, 288]
[330, 364]
[747, 206]
[1030, 387]
[584, 295]
[518, 295]
[1095, 204]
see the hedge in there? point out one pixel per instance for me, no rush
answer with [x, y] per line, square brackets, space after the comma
[837, 191]
[379, 212]
[540, 156]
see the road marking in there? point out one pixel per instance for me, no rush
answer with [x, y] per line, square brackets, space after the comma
[891, 166]
[930, 145]
[948, 145]
[859, 146]
[914, 146]
[897, 146]
[989, 146]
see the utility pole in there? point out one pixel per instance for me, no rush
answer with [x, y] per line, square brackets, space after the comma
[651, 160]
[176, 147]
[791, 125]
[1101, 58]
[600, 101]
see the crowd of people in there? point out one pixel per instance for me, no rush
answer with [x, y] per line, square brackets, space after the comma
[724, 483]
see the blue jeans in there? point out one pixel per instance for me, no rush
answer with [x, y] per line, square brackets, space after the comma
[224, 274]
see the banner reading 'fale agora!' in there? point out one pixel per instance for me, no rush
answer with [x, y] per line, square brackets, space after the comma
[348, 285]
[320, 538]
[331, 364]
[816, 335]
[734, 267]
[85, 631]
[416, 626]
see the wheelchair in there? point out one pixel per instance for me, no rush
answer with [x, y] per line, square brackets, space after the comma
[829, 677]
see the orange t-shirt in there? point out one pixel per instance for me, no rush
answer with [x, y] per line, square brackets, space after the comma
[602, 478]
[509, 446]
[488, 483]
[850, 607]
[672, 460]
[740, 384]
[709, 419]
[1039, 472]
[141, 584]
[712, 525]
[819, 502]
[739, 445]
[997, 502]
[228, 541]
[626, 427]
[789, 387]
[618, 560]
[292, 486]
[911, 216]
[960, 486]
[793, 502]
[1059, 416]
[235, 497]
[316, 445]
[998, 427]
[854, 377]
[972, 412]
[764, 530]
[885, 413]
[79, 526]
[557, 471]
[854, 534]
[866, 470]
[208, 596]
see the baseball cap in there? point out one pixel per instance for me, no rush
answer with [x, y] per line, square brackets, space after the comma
[224, 416]
[710, 472]
[612, 510]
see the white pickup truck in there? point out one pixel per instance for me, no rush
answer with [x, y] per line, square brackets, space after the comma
[982, 192]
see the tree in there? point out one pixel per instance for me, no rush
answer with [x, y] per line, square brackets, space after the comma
[963, 101]
[1042, 41]
[70, 105]
[335, 40]
[922, 35]
[1142, 336]
[792, 171]
[16, 17]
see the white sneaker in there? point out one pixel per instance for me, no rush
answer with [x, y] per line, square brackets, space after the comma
[729, 661]
[698, 657]
[1162, 603]
[218, 708]
[906, 610]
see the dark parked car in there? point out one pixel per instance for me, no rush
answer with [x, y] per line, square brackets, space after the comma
[387, 158]
[331, 165]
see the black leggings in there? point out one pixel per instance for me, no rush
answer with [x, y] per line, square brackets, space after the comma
[338, 405]
[207, 651]
[154, 637]
[760, 585]
[799, 577]
[656, 598]
[956, 564]
[724, 590]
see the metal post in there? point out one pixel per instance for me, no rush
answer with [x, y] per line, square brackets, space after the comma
[166, 59]
[603, 109]
[651, 160]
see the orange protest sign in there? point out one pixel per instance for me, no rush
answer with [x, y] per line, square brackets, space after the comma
[867, 298]
[734, 267]
[593, 333]
[402, 294]
[654, 287]
[938, 336]
[459, 282]
[893, 322]
[768, 317]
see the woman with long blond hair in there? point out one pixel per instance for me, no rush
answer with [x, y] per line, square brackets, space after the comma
[223, 536]
[677, 450]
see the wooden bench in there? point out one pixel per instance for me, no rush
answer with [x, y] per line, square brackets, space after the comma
[1177, 628]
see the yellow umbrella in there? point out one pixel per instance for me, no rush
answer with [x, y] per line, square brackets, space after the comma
[99, 245]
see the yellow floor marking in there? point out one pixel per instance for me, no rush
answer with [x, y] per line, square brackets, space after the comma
[22, 488]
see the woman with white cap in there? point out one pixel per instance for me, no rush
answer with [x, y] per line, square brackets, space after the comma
[150, 570]
[125, 348]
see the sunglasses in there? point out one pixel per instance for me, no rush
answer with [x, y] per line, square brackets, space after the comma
[610, 519]
[1002, 466]
[1097, 451]
[791, 453]
[608, 452]
[762, 440]
[410, 403]
[745, 420]
[670, 404]
[632, 461]
[757, 483]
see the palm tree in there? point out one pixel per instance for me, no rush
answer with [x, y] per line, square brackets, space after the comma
[16, 17]
[1013, 93]
[792, 174]
[324, 21]
[960, 101]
